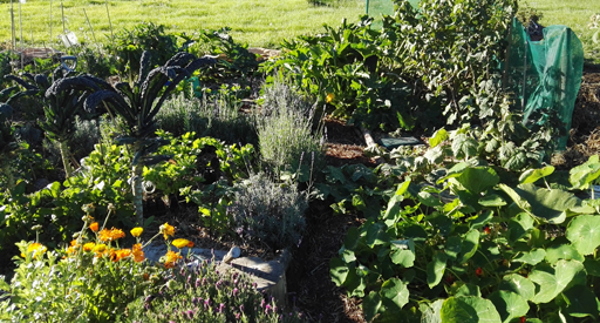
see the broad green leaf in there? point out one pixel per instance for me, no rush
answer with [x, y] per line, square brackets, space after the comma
[481, 220]
[581, 302]
[592, 267]
[519, 225]
[532, 175]
[339, 271]
[453, 247]
[519, 201]
[438, 137]
[376, 235]
[563, 251]
[455, 171]
[551, 284]
[464, 146]
[469, 246]
[431, 312]
[509, 304]
[518, 284]
[469, 309]
[394, 293]
[351, 239]
[583, 175]
[548, 204]
[466, 290]
[403, 253]
[371, 305]
[334, 174]
[348, 256]
[435, 269]
[584, 233]
[435, 155]
[492, 200]
[428, 199]
[532, 257]
[478, 179]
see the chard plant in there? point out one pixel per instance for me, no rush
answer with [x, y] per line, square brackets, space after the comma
[138, 104]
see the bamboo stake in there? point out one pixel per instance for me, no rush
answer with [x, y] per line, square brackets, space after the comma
[12, 24]
[91, 28]
[112, 36]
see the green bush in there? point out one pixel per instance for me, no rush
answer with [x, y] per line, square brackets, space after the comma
[215, 116]
[286, 139]
[268, 212]
[199, 293]
[129, 45]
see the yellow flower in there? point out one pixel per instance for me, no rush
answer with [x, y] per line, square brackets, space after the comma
[167, 230]
[329, 97]
[136, 232]
[180, 243]
[94, 226]
[89, 246]
[171, 258]
[138, 254]
[100, 248]
[36, 248]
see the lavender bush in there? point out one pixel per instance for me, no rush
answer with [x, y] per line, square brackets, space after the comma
[202, 294]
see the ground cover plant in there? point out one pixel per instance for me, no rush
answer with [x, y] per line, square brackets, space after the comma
[473, 226]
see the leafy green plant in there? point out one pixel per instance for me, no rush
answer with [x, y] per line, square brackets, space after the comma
[94, 280]
[61, 103]
[235, 61]
[498, 252]
[286, 139]
[344, 68]
[268, 212]
[201, 294]
[216, 115]
[129, 45]
[138, 106]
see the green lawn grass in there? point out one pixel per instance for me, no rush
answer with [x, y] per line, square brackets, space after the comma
[575, 14]
[258, 23]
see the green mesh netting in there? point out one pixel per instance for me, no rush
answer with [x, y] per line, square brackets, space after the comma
[545, 75]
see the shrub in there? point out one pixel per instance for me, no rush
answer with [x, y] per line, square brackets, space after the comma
[216, 116]
[200, 294]
[128, 46]
[272, 213]
[285, 130]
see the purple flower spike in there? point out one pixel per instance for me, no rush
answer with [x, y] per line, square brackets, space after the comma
[268, 309]
[197, 282]
[235, 292]
[242, 308]
[237, 316]
[221, 308]
[262, 303]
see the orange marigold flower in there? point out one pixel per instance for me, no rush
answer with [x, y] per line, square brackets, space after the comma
[487, 230]
[136, 232]
[190, 244]
[138, 254]
[36, 248]
[171, 258]
[89, 246]
[479, 271]
[122, 253]
[167, 230]
[94, 226]
[100, 248]
[180, 243]
[71, 250]
[146, 276]
[74, 243]
[111, 235]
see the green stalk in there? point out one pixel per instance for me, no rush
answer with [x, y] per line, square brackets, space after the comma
[138, 192]
[64, 153]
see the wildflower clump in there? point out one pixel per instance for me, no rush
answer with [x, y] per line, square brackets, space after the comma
[201, 294]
